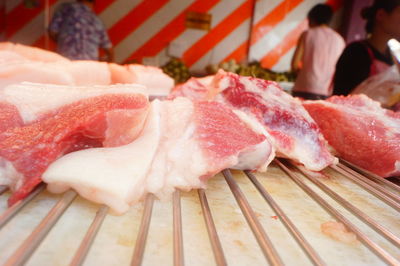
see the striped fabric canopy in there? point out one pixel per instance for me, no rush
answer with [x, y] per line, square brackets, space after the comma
[155, 29]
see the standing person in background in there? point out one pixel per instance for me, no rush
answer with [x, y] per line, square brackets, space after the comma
[79, 33]
[371, 56]
[316, 54]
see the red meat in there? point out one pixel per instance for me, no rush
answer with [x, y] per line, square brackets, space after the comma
[294, 132]
[360, 131]
[31, 148]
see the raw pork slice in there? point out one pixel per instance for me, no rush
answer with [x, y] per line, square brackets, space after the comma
[74, 73]
[294, 133]
[113, 176]
[200, 139]
[10, 57]
[156, 81]
[360, 131]
[194, 89]
[32, 99]
[91, 121]
[31, 53]
[121, 74]
[183, 143]
[85, 72]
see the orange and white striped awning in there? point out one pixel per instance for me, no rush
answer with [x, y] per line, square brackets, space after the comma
[153, 30]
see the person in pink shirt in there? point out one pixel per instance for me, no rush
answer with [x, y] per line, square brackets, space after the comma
[316, 54]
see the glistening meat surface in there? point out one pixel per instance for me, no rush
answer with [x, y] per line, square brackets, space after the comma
[360, 131]
[294, 133]
[27, 150]
[183, 143]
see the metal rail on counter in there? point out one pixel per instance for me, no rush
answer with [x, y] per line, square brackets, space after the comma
[382, 189]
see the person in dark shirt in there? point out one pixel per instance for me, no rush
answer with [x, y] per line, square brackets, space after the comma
[371, 56]
[79, 33]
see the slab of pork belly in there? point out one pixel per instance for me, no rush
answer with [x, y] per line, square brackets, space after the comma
[360, 131]
[183, 144]
[153, 78]
[294, 133]
[112, 176]
[31, 53]
[200, 139]
[77, 73]
[76, 119]
[194, 89]
[37, 100]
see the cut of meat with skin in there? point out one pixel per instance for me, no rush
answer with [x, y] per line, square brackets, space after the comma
[182, 144]
[27, 150]
[201, 139]
[258, 128]
[194, 89]
[293, 132]
[360, 131]
[153, 78]
[85, 72]
[31, 53]
[32, 99]
[16, 72]
[223, 135]
[77, 73]
[113, 176]
[11, 57]
[121, 74]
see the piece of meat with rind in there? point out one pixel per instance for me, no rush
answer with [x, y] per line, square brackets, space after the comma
[360, 131]
[294, 133]
[31, 148]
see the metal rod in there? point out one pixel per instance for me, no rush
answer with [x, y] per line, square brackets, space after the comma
[372, 175]
[23, 253]
[364, 217]
[12, 211]
[177, 221]
[3, 189]
[212, 231]
[310, 252]
[380, 195]
[369, 182]
[375, 248]
[143, 231]
[87, 241]
[265, 243]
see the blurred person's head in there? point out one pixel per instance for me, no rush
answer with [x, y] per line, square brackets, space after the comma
[383, 16]
[320, 14]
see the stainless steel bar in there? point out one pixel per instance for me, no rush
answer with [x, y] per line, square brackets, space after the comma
[3, 189]
[310, 252]
[10, 212]
[143, 231]
[23, 253]
[177, 221]
[353, 209]
[370, 182]
[375, 248]
[371, 175]
[394, 204]
[265, 243]
[212, 231]
[87, 241]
